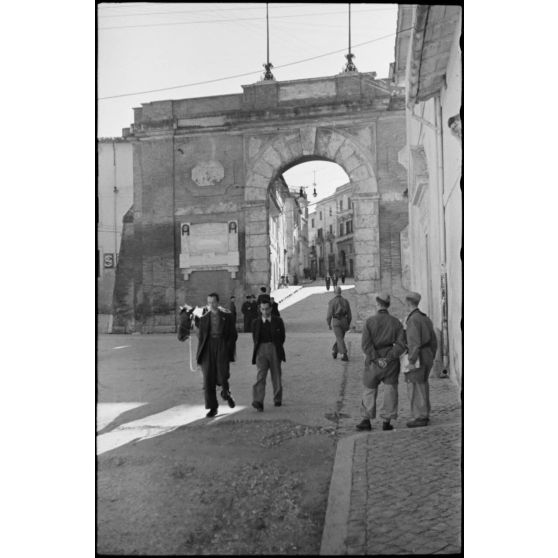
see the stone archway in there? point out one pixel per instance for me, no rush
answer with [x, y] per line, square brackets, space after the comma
[269, 157]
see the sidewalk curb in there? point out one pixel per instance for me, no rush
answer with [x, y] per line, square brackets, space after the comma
[339, 499]
[289, 295]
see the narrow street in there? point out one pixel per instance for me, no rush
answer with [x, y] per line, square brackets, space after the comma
[171, 481]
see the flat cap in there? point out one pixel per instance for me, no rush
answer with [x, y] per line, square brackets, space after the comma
[384, 297]
[413, 297]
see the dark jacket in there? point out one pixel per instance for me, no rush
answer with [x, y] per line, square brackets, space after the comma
[421, 339]
[229, 334]
[275, 309]
[383, 336]
[277, 336]
[339, 310]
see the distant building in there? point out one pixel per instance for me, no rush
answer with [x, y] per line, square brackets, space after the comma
[428, 65]
[115, 184]
[330, 231]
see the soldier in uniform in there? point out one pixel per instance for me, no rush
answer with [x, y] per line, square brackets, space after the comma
[383, 342]
[339, 319]
[422, 346]
[216, 350]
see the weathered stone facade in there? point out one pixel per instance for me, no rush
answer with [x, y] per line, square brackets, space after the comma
[213, 159]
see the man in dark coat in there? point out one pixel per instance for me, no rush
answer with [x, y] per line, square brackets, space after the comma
[274, 308]
[248, 313]
[339, 319]
[383, 342]
[216, 349]
[268, 333]
[422, 346]
[232, 308]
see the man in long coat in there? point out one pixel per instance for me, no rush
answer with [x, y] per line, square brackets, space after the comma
[216, 350]
[268, 334]
[339, 319]
[383, 342]
[422, 346]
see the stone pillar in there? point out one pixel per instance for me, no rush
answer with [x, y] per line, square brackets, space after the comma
[258, 266]
[366, 239]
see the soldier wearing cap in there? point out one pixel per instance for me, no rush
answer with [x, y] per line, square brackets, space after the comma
[422, 346]
[383, 342]
[339, 320]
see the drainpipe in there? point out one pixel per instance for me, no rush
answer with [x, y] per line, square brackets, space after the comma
[442, 225]
[115, 191]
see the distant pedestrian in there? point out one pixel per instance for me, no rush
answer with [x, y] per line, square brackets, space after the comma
[247, 313]
[422, 346]
[343, 277]
[335, 279]
[268, 334]
[383, 342]
[232, 308]
[216, 350]
[274, 307]
[339, 319]
[327, 281]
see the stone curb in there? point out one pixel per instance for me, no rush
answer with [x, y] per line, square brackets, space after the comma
[339, 499]
[291, 293]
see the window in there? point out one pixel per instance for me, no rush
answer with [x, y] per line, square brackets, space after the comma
[313, 223]
[340, 205]
[320, 234]
[330, 212]
[349, 227]
[349, 203]
[331, 229]
[320, 215]
[341, 229]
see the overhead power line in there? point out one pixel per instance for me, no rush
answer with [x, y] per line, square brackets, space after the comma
[315, 14]
[242, 8]
[251, 73]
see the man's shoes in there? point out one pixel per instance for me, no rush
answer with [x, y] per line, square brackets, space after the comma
[345, 357]
[415, 423]
[364, 425]
[211, 413]
[228, 398]
[387, 426]
[334, 354]
[277, 403]
[258, 406]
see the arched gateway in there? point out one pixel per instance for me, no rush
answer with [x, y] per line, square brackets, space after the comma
[202, 170]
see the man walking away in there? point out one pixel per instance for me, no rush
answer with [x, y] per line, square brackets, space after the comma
[343, 277]
[216, 349]
[232, 308]
[334, 279]
[422, 346]
[268, 333]
[339, 319]
[274, 308]
[327, 281]
[383, 342]
[246, 310]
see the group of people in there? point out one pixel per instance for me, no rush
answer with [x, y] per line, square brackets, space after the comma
[251, 308]
[333, 279]
[217, 338]
[384, 341]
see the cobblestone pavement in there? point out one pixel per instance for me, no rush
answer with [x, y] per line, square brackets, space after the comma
[396, 492]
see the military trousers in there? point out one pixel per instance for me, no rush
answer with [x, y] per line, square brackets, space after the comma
[339, 330]
[419, 397]
[267, 360]
[389, 404]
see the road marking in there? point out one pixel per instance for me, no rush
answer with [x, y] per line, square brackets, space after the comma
[107, 412]
[121, 347]
[155, 425]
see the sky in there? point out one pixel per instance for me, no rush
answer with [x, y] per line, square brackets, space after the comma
[143, 47]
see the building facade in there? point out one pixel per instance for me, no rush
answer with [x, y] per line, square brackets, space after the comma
[428, 65]
[114, 198]
[331, 234]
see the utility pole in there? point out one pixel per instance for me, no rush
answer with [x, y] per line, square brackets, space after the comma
[268, 75]
[350, 67]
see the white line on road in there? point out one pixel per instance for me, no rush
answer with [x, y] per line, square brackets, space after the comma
[155, 425]
[107, 412]
[121, 347]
